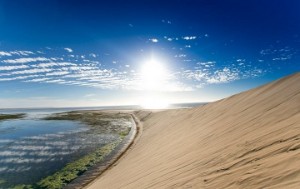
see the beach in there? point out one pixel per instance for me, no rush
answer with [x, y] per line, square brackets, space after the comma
[248, 140]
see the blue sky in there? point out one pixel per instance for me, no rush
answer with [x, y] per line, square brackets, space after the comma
[92, 53]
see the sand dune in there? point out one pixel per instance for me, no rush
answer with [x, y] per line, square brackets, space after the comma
[249, 140]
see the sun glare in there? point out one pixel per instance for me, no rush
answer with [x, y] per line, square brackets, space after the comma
[153, 75]
[153, 79]
[154, 102]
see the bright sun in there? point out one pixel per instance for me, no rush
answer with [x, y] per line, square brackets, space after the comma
[153, 79]
[153, 75]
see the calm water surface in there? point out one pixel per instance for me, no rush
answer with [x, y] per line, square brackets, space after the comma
[31, 148]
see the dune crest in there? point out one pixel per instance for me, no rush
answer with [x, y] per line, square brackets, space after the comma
[249, 140]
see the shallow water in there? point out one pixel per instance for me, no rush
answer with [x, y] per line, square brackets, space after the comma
[31, 149]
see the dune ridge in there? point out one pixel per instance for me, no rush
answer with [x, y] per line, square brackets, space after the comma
[249, 140]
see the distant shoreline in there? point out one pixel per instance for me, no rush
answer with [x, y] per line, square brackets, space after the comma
[108, 108]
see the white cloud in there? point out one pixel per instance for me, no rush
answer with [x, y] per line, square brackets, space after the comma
[224, 76]
[282, 58]
[8, 68]
[3, 53]
[7, 79]
[52, 64]
[90, 73]
[32, 71]
[93, 55]
[189, 37]
[37, 80]
[278, 54]
[197, 75]
[25, 60]
[57, 73]
[206, 74]
[59, 81]
[26, 77]
[180, 55]
[154, 40]
[56, 59]
[20, 53]
[81, 68]
[69, 50]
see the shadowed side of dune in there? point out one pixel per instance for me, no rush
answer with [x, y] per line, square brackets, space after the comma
[249, 140]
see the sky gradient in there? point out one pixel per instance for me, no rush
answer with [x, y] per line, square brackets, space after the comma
[91, 53]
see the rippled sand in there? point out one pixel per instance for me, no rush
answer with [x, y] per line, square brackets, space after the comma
[249, 140]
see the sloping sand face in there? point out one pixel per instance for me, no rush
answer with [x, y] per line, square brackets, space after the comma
[249, 140]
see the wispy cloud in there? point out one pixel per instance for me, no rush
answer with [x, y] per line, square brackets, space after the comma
[93, 55]
[86, 70]
[20, 53]
[53, 64]
[31, 71]
[58, 81]
[180, 55]
[2, 53]
[57, 73]
[69, 50]
[7, 79]
[224, 76]
[26, 60]
[206, 73]
[278, 54]
[8, 68]
[37, 80]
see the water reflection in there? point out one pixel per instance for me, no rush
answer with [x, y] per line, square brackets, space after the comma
[32, 149]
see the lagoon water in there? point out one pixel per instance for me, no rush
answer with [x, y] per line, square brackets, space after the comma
[32, 148]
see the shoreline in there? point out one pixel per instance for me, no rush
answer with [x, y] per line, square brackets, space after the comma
[110, 160]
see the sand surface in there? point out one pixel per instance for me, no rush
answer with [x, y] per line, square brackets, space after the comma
[249, 140]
